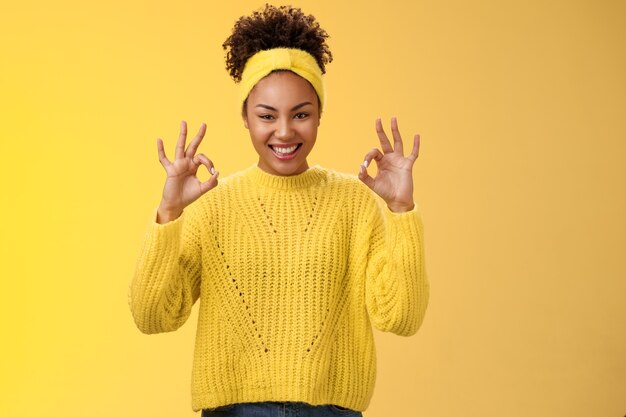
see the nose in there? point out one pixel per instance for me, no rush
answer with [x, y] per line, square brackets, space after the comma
[284, 130]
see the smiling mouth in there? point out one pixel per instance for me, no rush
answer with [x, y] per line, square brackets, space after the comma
[285, 152]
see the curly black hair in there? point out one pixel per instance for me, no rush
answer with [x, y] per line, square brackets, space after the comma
[275, 27]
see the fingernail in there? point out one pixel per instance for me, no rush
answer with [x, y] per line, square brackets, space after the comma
[212, 171]
[365, 163]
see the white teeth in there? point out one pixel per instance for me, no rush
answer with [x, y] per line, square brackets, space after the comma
[285, 150]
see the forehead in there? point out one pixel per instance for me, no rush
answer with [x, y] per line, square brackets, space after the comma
[283, 87]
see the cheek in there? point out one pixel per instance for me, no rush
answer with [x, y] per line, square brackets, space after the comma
[312, 131]
[258, 133]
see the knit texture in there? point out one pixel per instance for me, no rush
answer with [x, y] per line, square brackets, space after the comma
[295, 60]
[292, 272]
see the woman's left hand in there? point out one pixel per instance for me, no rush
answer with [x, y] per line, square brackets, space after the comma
[394, 180]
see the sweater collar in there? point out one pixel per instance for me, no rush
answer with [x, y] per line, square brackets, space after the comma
[308, 178]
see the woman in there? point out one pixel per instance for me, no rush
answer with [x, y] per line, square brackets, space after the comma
[292, 264]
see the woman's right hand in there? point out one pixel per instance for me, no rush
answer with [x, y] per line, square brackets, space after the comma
[182, 187]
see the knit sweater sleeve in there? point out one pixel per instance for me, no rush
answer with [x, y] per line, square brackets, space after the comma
[166, 281]
[396, 285]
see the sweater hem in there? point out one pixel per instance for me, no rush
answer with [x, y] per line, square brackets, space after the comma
[251, 395]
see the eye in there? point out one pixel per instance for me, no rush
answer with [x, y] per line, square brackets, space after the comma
[301, 115]
[266, 116]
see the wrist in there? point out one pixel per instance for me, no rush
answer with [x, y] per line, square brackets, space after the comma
[400, 207]
[166, 214]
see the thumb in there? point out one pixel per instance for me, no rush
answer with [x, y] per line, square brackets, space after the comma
[210, 183]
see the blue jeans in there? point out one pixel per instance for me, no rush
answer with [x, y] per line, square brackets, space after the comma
[279, 409]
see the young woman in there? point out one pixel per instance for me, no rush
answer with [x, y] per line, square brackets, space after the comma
[293, 264]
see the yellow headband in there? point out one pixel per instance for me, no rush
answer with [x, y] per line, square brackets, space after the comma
[298, 61]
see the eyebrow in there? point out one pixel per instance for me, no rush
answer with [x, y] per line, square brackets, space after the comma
[294, 108]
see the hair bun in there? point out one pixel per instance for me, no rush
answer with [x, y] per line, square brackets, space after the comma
[275, 27]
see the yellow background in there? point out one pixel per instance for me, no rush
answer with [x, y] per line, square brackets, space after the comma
[521, 178]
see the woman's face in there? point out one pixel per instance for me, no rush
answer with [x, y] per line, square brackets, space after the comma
[282, 115]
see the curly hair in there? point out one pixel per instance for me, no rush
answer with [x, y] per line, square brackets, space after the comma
[275, 27]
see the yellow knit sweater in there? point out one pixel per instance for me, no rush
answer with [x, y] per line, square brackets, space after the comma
[292, 273]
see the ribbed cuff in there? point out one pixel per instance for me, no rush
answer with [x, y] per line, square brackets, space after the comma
[167, 232]
[406, 226]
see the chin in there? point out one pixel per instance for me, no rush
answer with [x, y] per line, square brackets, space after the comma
[283, 169]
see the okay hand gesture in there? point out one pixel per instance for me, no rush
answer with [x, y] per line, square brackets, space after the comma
[394, 180]
[182, 187]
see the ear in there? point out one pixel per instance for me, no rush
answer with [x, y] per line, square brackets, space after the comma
[319, 110]
[244, 114]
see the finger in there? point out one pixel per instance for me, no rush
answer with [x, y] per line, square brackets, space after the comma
[366, 178]
[416, 148]
[384, 141]
[375, 153]
[212, 181]
[162, 158]
[193, 146]
[180, 146]
[202, 159]
[397, 139]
